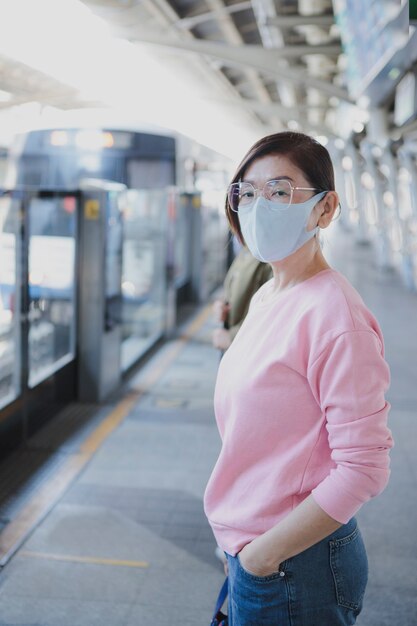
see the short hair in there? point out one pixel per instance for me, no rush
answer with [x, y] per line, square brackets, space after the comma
[310, 156]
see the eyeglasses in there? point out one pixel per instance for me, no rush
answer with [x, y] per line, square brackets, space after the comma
[280, 192]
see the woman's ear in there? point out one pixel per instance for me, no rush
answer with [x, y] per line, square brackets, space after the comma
[328, 208]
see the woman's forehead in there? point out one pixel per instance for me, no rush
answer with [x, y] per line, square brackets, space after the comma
[272, 166]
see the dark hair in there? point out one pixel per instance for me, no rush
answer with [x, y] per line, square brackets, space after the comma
[310, 156]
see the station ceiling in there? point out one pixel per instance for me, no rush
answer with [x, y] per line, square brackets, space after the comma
[278, 61]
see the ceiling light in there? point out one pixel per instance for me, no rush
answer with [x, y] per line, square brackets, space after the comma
[347, 163]
[389, 198]
[59, 138]
[322, 139]
[394, 73]
[364, 102]
[367, 181]
[5, 96]
[293, 125]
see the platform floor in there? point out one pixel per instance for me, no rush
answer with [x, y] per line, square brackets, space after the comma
[128, 543]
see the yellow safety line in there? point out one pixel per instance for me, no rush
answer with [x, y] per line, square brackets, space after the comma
[13, 535]
[83, 559]
[100, 434]
[176, 347]
[38, 506]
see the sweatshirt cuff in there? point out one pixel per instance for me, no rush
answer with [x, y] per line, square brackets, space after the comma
[336, 501]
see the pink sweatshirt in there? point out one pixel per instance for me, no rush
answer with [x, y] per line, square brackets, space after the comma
[300, 407]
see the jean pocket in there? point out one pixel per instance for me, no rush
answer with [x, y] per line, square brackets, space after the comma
[254, 577]
[349, 565]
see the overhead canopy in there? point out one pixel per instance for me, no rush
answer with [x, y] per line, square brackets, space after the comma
[222, 71]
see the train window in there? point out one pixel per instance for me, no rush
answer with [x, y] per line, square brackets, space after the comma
[150, 174]
[121, 140]
[111, 168]
[143, 272]
[52, 244]
[9, 300]
[34, 171]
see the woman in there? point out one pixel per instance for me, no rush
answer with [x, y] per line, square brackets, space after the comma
[299, 404]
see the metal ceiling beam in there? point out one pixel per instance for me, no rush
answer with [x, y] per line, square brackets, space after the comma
[289, 21]
[282, 21]
[217, 14]
[233, 36]
[287, 114]
[253, 56]
[272, 37]
[297, 107]
[266, 56]
[167, 18]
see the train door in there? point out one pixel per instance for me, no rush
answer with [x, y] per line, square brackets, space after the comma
[38, 303]
[145, 275]
[10, 294]
[52, 221]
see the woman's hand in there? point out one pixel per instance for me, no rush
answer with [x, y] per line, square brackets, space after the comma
[220, 310]
[302, 528]
[221, 339]
[256, 558]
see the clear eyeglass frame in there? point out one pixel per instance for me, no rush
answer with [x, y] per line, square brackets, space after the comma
[244, 194]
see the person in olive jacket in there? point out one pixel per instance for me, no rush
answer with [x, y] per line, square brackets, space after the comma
[243, 279]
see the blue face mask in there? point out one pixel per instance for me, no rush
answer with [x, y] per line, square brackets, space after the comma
[272, 233]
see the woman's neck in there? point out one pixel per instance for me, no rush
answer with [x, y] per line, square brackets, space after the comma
[303, 264]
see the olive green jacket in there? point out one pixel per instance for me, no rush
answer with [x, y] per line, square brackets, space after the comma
[246, 274]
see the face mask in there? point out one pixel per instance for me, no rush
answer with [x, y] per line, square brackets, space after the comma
[273, 233]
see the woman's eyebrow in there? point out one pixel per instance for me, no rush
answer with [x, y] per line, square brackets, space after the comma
[252, 182]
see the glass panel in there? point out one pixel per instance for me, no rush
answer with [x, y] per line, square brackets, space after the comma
[52, 312]
[182, 241]
[3, 167]
[113, 246]
[214, 249]
[113, 259]
[9, 300]
[143, 272]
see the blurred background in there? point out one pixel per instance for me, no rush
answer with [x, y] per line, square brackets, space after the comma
[121, 123]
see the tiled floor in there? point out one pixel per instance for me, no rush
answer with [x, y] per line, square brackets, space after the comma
[140, 498]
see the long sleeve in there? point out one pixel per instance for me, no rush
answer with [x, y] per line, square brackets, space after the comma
[301, 410]
[349, 379]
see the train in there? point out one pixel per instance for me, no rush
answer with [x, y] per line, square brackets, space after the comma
[107, 235]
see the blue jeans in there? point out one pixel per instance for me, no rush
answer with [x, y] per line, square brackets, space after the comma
[322, 586]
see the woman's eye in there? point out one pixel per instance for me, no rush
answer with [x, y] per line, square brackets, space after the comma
[279, 193]
[246, 194]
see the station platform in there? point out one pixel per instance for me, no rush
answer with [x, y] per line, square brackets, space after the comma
[124, 540]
